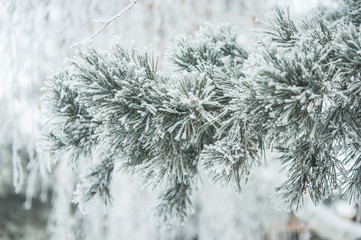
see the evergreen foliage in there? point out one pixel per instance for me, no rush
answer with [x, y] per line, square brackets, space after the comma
[351, 11]
[72, 127]
[297, 91]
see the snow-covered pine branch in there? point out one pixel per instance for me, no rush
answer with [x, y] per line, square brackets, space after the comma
[296, 91]
[155, 123]
[303, 97]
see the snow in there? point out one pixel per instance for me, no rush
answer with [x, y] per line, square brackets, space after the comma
[36, 36]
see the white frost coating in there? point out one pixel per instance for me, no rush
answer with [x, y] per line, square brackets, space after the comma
[44, 177]
[33, 168]
[121, 210]
[61, 220]
[18, 174]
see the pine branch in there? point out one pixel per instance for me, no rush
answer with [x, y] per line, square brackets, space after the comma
[298, 92]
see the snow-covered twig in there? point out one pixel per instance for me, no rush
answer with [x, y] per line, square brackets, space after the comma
[107, 22]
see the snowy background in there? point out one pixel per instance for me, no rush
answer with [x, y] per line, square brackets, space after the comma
[35, 203]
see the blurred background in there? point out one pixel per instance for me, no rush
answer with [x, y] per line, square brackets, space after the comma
[36, 196]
